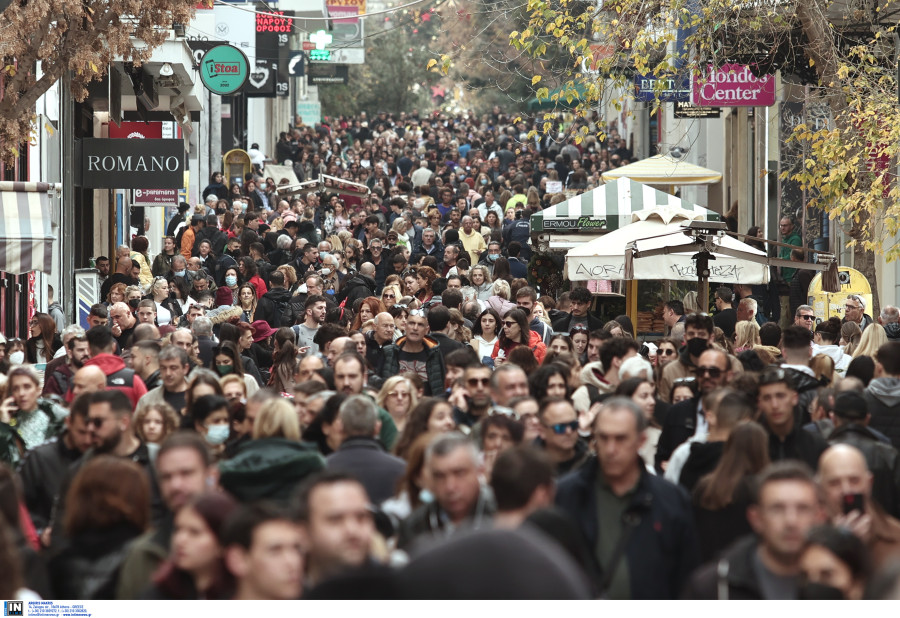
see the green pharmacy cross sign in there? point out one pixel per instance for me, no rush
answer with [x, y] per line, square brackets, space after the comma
[224, 69]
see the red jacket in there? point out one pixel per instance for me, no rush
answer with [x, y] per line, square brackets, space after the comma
[119, 377]
[535, 342]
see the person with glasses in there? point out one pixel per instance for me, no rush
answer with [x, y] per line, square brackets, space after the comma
[855, 311]
[516, 332]
[616, 503]
[777, 402]
[558, 435]
[687, 419]
[804, 317]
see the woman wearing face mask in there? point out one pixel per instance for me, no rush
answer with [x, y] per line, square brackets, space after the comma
[228, 293]
[44, 340]
[210, 415]
[26, 420]
[133, 296]
[227, 361]
[15, 351]
[241, 334]
[196, 568]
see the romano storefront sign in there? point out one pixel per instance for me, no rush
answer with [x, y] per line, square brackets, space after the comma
[130, 163]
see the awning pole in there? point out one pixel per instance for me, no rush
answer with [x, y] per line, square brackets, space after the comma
[631, 300]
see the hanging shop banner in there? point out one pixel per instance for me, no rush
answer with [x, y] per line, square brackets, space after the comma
[224, 69]
[130, 163]
[666, 87]
[261, 82]
[732, 85]
[684, 109]
[323, 74]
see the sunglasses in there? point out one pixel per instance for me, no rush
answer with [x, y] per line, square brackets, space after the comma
[418, 313]
[808, 318]
[96, 423]
[391, 296]
[509, 323]
[478, 381]
[682, 381]
[713, 372]
[851, 307]
[562, 428]
[667, 352]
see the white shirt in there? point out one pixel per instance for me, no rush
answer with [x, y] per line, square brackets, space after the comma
[163, 315]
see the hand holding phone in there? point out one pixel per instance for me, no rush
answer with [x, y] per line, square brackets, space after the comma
[8, 409]
[853, 502]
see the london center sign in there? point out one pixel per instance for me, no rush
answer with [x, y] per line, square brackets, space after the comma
[732, 85]
[130, 163]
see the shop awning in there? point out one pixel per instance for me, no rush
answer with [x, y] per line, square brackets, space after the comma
[26, 229]
[665, 170]
[608, 207]
[604, 257]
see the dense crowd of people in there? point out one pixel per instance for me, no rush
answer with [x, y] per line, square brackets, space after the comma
[327, 395]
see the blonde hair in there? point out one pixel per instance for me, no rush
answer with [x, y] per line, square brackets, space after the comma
[395, 288]
[823, 366]
[226, 380]
[691, 303]
[501, 289]
[336, 243]
[277, 419]
[746, 334]
[290, 274]
[872, 338]
[392, 383]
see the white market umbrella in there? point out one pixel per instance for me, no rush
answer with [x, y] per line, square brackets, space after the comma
[655, 228]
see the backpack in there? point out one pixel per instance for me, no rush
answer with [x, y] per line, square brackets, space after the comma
[178, 236]
[281, 308]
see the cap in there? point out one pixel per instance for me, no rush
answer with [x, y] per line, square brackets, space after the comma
[197, 219]
[261, 330]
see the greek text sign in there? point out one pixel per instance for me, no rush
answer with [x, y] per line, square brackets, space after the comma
[131, 163]
[733, 85]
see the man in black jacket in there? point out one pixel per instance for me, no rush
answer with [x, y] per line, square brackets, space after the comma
[580, 304]
[44, 468]
[360, 452]
[685, 419]
[851, 419]
[638, 528]
[766, 566]
[777, 401]
[360, 285]
[438, 325]
[725, 317]
[274, 302]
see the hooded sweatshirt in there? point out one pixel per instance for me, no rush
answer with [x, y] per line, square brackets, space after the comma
[836, 353]
[118, 376]
[883, 399]
[592, 374]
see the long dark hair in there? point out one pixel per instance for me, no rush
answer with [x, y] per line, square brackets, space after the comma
[501, 270]
[537, 382]
[524, 329]
[214, 508]
[48, 336]
[230, 349]
[284, 361]
[416, 425]
[476, 326]
[746, 453]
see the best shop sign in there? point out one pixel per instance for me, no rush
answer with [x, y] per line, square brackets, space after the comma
[732, 85]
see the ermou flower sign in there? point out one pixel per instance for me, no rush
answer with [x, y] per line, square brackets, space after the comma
[732, 85]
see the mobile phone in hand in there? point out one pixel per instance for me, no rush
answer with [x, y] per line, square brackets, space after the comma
[853, 502]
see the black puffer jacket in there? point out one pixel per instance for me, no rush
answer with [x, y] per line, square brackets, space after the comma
[272, 306]
[358, 286]
[42, 473]
[883, 461]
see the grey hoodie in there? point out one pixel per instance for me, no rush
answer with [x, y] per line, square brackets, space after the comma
[886, 390]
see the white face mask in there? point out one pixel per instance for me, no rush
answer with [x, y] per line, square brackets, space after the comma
[17, 358]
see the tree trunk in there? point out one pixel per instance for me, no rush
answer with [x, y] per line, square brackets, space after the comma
[823, 52]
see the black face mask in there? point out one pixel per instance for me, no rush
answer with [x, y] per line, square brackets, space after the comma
[697, 346]
[134, 302]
